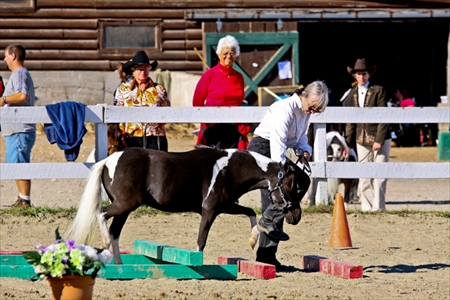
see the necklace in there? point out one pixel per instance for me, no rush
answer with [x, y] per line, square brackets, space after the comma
[228, 75]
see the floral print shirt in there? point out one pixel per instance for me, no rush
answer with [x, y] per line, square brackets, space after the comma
[153, 95]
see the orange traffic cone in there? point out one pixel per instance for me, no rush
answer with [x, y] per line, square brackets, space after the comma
[339, 235]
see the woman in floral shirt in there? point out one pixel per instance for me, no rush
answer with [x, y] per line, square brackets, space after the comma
[142, 91]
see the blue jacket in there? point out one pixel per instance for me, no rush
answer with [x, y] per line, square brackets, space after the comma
[68, 127]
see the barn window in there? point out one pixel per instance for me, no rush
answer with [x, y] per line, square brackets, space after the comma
[129, 37]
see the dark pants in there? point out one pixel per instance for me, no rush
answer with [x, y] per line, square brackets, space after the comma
[266, 244]
[222, 136]
[151, 142]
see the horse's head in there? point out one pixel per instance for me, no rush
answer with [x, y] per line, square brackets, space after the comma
[289, 191]
[335, 146]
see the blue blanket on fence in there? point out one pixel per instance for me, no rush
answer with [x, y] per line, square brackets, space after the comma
[68, 127]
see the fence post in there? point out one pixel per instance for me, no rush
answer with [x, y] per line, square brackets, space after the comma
[101, 141]
[320, 155]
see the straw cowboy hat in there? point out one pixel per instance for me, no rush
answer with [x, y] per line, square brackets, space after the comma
[361, 66]
[139, 58]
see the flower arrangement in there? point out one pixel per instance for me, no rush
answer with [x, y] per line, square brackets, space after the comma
[66, 258]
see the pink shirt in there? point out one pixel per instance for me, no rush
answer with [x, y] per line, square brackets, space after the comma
[407, 103]
[219, 86]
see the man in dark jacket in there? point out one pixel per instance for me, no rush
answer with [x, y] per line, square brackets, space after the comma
[373, 141]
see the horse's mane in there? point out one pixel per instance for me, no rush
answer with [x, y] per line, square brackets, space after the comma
[200, 146]
[209, 147]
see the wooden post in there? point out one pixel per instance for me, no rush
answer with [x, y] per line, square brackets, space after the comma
[320, 155]
[101, 141]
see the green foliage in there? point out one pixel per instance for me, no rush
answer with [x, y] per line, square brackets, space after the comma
[43, 212]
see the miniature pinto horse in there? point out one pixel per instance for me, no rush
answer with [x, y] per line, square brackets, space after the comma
[205, 180]
[335, 147]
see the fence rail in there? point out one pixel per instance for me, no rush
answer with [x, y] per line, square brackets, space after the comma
[321, 169]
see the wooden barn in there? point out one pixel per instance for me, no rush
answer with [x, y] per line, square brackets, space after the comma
[80, 41]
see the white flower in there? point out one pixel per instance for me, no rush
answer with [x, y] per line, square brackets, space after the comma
[106, 256]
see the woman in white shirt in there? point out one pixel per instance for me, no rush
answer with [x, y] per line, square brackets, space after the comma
[284, 126]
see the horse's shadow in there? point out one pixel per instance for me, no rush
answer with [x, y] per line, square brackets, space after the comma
[404, 268]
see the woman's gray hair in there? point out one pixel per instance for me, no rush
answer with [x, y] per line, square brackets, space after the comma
[320, 89]
[228, 42]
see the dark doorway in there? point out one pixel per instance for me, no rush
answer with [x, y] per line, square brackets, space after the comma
[409, 54]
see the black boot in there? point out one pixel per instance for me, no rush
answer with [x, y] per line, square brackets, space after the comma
[267, 255]
[270, 228]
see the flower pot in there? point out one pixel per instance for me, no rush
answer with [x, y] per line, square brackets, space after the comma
[72, 287]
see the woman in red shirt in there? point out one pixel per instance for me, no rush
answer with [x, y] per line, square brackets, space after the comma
[222, 86]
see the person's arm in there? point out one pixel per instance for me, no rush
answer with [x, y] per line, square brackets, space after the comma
[119, 98]
[163, 95]
[382, 127]
[303, 142]
[201, 91]
[16, 98]
[279, 130]
[349, 129]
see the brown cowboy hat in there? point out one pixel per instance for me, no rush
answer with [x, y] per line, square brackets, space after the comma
[139, 58]
[361, 66]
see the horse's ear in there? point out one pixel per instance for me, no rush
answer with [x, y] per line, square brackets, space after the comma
[289, 166]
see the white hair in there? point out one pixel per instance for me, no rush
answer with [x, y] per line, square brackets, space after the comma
[228, 42]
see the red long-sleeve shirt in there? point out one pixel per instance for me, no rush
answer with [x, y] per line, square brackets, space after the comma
[219, 86]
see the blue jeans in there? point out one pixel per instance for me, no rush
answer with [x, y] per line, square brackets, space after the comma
[18, 147]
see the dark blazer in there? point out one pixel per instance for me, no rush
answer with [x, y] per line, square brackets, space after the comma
[367, 133]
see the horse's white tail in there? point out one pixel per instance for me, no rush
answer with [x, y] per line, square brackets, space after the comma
[82, 228]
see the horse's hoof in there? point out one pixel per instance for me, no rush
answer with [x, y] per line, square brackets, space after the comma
[254, 237]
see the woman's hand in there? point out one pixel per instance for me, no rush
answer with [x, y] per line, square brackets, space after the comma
[345, 152]
[376, 146]
[305, 154]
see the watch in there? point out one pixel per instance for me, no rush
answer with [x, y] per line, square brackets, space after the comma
[4, 100]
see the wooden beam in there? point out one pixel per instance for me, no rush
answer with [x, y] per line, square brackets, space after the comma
[155, 271]
[83, 13]
[103, 65]
[52, 44]
[168, 253]
[49, 23]
[180, 4]
[134, 266]
[179, 24]
[48, 34]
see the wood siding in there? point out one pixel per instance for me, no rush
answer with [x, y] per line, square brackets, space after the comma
[67, 34]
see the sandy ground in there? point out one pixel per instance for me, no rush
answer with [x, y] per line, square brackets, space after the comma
[404, 256]
[402, 194]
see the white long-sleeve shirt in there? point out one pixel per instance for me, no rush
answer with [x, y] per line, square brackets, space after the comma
[285, 125]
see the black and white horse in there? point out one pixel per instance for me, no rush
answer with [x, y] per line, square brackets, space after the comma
[205, 180]
[336, 145]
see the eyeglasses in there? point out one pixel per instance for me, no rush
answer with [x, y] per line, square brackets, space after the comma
[141, 69]
[232, 54]
[312, 108]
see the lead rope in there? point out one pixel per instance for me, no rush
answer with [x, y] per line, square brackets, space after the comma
[144, 136]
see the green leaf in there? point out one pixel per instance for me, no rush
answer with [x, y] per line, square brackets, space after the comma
[32, 257]
[58, 236]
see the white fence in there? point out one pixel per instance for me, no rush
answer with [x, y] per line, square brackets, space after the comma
[321, 169]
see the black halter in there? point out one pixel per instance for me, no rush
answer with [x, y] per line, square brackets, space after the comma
[279, 187]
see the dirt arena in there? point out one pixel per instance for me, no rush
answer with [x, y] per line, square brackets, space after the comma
[404, 256]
